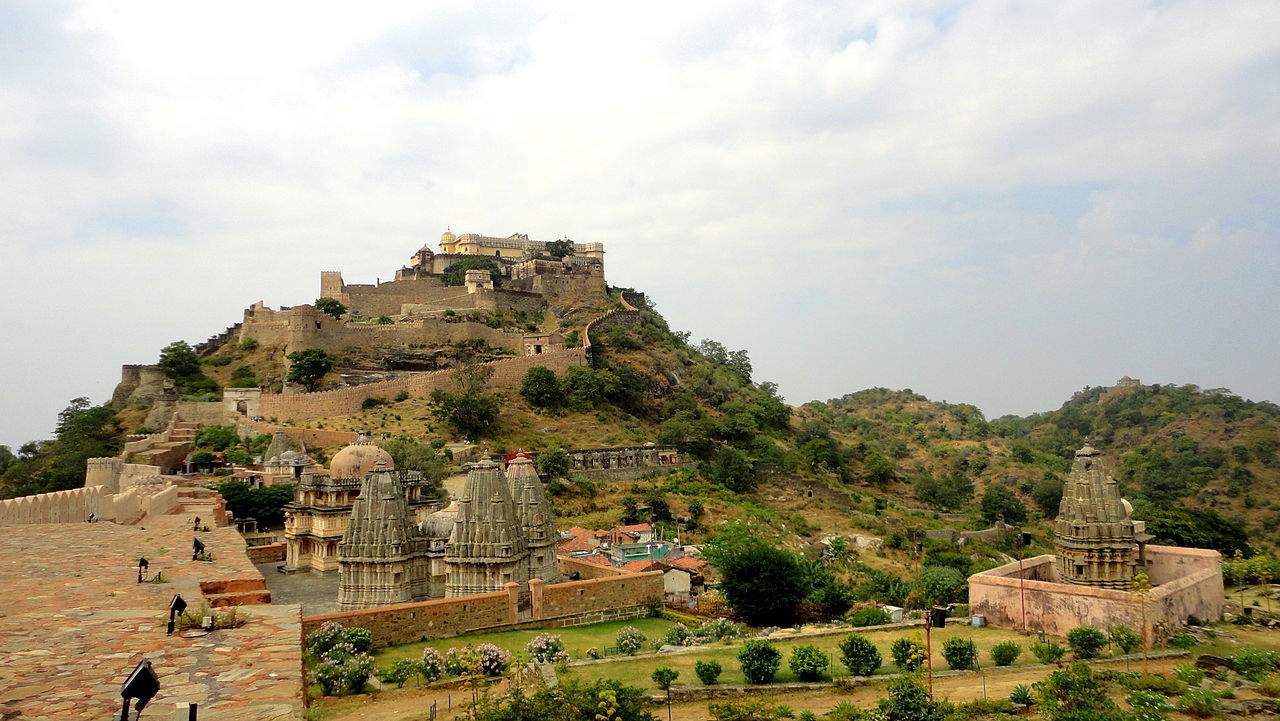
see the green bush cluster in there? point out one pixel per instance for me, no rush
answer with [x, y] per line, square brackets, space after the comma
[859, 655]
[1086, 642]
[759, 660]
[1005, 653]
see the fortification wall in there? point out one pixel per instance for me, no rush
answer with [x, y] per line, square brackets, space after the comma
[310, 437]
[344, 401]
[207, 413]
[1169, 563]
[305, 327]
[72, 506]
[622, 596]
[509, 300]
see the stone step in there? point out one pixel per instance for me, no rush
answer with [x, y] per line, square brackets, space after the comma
[232, 586]
[243, 598]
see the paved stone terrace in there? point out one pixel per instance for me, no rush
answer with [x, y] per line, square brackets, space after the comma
[74, 622]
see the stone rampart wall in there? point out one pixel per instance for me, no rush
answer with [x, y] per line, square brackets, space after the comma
[344, 401]
[206, 413]
[622, 596]
[1169, 563]
[304, 327]
[72, 506]
[311, 437]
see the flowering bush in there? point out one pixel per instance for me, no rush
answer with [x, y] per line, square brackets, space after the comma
[343, 669]
[400, 671]
[630, 640]
[679, 635]
[493, 659]
[908, 653]
[432, 665]
[547, 648]
[456, 662]
[333, 633]
[718, 629]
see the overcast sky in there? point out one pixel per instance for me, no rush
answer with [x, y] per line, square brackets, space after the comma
[991, 202]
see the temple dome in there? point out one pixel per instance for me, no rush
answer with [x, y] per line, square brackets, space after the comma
[439, 525]
[447, 237]
[358, 459]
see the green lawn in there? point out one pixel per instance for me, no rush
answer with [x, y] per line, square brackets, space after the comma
[637, 671]
[577, 639]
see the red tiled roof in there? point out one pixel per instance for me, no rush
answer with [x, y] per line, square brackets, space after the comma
[577, 544]
[689, 563]
[640, 566]
[595, 559]
[635, 528]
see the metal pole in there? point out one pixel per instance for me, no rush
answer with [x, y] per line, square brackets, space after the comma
[1022, 592]
[124, 709]
[928, 647]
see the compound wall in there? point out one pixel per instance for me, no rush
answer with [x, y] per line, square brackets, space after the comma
[621, 596]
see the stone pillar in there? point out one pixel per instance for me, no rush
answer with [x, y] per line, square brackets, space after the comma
[535, 597]
[513, 601]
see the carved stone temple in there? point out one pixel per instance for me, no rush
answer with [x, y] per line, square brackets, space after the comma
[501, 530]
[1097, 540]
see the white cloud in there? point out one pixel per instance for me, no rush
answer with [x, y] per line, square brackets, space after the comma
[964, 198]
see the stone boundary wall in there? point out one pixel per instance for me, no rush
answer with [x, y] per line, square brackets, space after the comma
[266, 553]
[1169, 563]
[345, 401]
[616, 319]
[576, 603]
[1001, 596]
[302, 327]
[311, 437]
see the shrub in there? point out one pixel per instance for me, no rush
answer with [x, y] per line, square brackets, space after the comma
[456, 662]
[1005, 653]
[333, 633]
[907, 700]
[402, 396]
[908, 653]
[342, 669]
[630, 640]
[248, 344]
[868, 616]
[719, 629]
[1048, 651]
[1076, 694]
[759, 660]
[1124, 638]
[546, 648]
[1189, 674]
[1148, 705]
[1086, 642]
[493, 659]
[1166, 685]
[940, 584]
[1270, 686]
[431, 667]
[398, 672]
[372, 402]
[808, 663]
[746, 711]
[1255, 663]
[708, 672]
[859, 655]
[678, 635]
[1182, 640]
[1022, 694]
[1200, 702]
[961, 653]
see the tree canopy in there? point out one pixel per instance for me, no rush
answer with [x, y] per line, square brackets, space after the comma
[308, 366]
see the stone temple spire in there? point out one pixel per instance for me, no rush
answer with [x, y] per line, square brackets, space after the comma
[382, 558]
[1095, 536]
[487, 548]
[537, 519]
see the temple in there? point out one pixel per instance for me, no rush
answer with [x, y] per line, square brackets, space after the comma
[1095, 537]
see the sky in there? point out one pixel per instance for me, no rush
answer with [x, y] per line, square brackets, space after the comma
[987, 202]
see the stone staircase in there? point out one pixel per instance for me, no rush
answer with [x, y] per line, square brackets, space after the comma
[235, 592]
[184, 432]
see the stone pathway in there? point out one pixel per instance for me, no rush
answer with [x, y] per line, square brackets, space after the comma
[74, 622]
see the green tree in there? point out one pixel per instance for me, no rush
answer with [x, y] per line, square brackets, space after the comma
[732, 469]
[553, 462]
[763, 584]
[944, 494]
[412, 456]
[1086, 642]
[84, 431]
[880, 469]
[1076, 694]
[308, 366]
[181, 364]
[265, 504]
[1047, 493]
[907, 700]
[456, 273]
[542, 390]
[218, 438]
[471, 412]
[859, 655]
[663, 677]
[808, 662]
[244, 377]
[1000, 503]
[560, 248]
[330, 306]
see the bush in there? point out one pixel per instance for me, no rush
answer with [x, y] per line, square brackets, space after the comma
[1200, 702]
[630, 640]
[342, 669]
[1124, 638]
[546, 648]
[541, 389]
[1270, 686]
[941, 584]
[1048, 651]
[1086, 642]
[1189, 674]
[1255, 663]
[398, 672]
[248, 344]
[708, 672]
[868, 616]
[859, 655]
[372, 402]
[961, 653]
[808, 663]
[1005, 653]
[908, 653]
[333, 633]
[719, 629]
[1182, 640]
[431, 666]
[1149, 705]
[1022, 694]
[907, 700]
[1166, 685]
[595, 653]
[1077, 694]
[759, 661]
[493, 659]
[747, 711]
